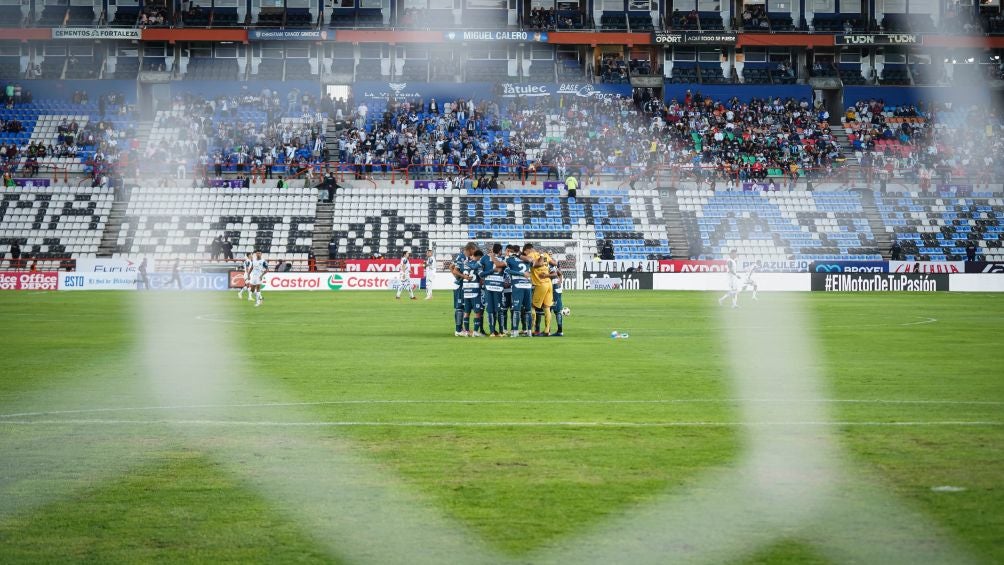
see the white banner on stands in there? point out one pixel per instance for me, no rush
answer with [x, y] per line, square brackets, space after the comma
[975, 283]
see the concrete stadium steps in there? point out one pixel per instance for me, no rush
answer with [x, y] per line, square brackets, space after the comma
[674, 225]
[882, 233]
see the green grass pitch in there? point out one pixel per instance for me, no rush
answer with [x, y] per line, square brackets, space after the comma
[524, 443]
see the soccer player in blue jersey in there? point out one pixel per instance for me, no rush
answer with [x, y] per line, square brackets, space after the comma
[456, 268]
[487, 267]
[557, 283]
[518, 269]
[473, 302]
[493, 288]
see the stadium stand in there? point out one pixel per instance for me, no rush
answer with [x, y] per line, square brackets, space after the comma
[778, 226]
[11, 16]
[182, 222]
[395, 220]
[80, 15]
[939, 226]
[54, 222]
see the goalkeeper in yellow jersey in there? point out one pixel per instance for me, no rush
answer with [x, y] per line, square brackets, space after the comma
[543, 293]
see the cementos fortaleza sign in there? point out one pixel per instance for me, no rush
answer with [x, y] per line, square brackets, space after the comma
[95, 33]
[879, 282]
[334, 281]
[927, 266]
[849, 267]
[39, 280]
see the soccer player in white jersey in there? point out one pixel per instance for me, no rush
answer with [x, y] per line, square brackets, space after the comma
[404, 274]
[749, 282]
[734, 280]
[247, 277]
[430, 270]
[259, 267]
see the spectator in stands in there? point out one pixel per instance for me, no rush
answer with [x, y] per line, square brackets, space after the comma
[572, 185]
[970, 251]
[895, 252]
[142, 280]
[15, 255]
[282, 183]
[607, 251]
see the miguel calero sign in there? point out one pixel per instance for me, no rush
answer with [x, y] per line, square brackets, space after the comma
[879, 282]
[984, 267]
[497, 36]
[694, 38]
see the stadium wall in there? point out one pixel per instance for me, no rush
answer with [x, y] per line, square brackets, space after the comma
[64, 89]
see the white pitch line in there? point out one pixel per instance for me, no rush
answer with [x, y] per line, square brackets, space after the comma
[508, 402]
[419, 424]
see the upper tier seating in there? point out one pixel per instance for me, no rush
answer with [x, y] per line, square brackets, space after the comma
[207, 68]
[80, 16]
[838, 22]
[54, 222]
[778, 226]
[11, 16]
[52, 15]
[938, 227]
[182, 222]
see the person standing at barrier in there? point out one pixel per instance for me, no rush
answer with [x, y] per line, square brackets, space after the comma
[571, 185]
[175, 275]
[895, 252]
[142, 280]
[15, 256]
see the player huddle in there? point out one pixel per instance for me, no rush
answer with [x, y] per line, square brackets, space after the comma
[512, 291]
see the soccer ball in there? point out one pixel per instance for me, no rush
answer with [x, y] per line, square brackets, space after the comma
[614, 334]
[565, 311]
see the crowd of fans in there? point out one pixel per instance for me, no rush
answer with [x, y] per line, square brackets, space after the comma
[436, 138]
[479, 141]
[935, 143]
[153, 16]
[613, 68]
[542, 19]
[248, 134]
[13, 94]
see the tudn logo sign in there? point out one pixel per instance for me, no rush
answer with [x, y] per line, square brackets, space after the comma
[335, 282]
